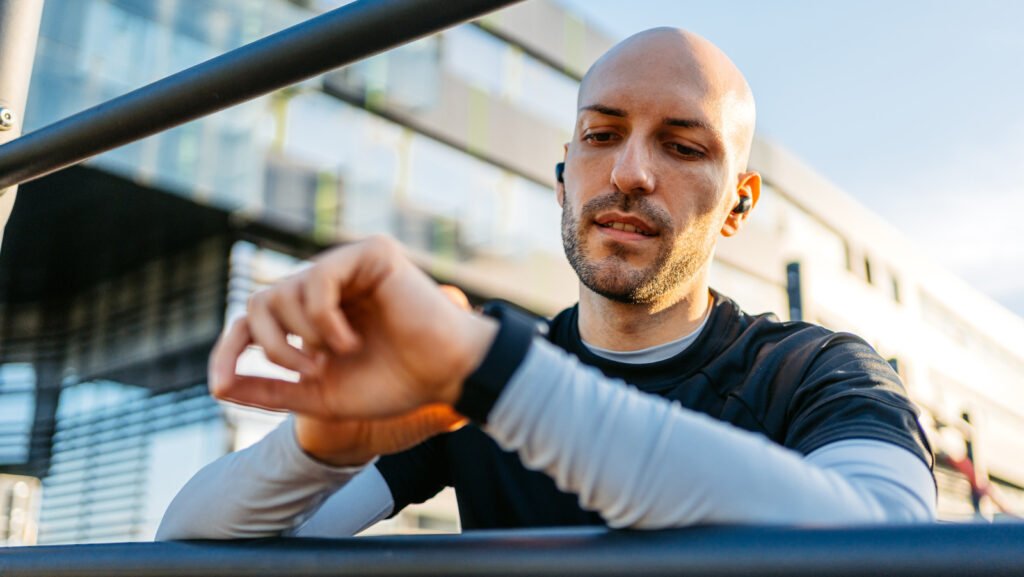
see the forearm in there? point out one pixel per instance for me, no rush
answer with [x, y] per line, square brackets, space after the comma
[269, 489]
[643, 462]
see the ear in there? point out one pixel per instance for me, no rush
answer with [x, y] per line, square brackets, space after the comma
[748, 185]
[560, 186]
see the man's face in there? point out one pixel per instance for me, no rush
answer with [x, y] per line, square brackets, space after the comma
[646, 178]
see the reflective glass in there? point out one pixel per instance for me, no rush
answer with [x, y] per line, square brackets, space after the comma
[393, 180]
[91, 397]
[548, 94]
[91, 51]
[17, 401]
[476, 57]
[304, 160]
[506, 72]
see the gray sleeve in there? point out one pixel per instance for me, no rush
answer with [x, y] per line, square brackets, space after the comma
[643, 462]
[365, 500]
[274, 488]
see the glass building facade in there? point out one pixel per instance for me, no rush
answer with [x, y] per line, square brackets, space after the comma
[102, 384]
[447, 144]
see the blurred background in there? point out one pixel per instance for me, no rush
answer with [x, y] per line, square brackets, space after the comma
[117, 275]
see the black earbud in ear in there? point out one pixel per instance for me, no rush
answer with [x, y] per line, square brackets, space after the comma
[559, 170]
[743, 205]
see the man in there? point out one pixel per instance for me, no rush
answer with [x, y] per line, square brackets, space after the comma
[733, 418]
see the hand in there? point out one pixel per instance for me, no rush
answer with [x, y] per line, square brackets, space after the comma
[349, 442]
[379, 339]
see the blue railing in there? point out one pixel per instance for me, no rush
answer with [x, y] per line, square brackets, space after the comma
[932, 550]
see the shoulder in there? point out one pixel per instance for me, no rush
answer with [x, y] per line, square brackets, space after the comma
[763, 338]
[796, 343]
[809, 364]
[812, 386]
[809, 355]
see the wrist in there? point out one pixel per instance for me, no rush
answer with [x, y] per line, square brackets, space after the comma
[477, 335]
[312, 441]
[505, 350]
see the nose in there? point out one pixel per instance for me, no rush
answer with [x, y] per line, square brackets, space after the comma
[633, 172]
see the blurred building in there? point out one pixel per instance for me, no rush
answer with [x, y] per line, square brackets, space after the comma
[116, 276]
[823, 258]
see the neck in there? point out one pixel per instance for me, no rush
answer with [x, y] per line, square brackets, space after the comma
[629, 327]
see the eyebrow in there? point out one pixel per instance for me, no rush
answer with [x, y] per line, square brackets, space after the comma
[680, 122]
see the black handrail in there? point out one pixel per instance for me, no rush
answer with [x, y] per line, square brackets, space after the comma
[932, 550]
[333, 39]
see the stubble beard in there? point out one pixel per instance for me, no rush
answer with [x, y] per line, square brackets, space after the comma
[614, 277]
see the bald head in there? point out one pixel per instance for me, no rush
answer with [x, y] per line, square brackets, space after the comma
[689, 66]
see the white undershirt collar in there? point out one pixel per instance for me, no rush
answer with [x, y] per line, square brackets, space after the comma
[651, 354]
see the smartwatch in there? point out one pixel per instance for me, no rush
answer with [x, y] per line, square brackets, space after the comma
[516, 330]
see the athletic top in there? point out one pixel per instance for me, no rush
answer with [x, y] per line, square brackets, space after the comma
[797, 384]
[766, 422]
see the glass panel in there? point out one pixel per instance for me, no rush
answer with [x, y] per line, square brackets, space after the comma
[506, 72]
[17, 405]
[111, 453]
[308, 161]
[475, 56]
[92, 397]
[91, 51]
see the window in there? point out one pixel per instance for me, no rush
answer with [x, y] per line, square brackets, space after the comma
[506, 72]
[17, 400]
[793, 292]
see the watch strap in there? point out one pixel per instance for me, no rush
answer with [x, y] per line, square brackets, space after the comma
[480, 391]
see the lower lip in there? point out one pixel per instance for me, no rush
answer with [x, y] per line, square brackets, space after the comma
[622, 235]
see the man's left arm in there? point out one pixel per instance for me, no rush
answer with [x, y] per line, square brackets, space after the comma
[643, 462]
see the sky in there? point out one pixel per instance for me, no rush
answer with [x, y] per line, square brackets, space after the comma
[913, 107]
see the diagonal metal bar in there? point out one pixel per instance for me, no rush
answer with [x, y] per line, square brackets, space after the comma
[333, 39]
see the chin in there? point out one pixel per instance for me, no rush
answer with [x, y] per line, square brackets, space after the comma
[624, 284]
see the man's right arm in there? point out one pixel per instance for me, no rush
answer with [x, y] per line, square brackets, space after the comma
[274, 488]
[293, 482]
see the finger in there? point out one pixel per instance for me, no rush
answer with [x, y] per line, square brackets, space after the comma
[277, 395]
[286, 306]
[322, 304]
[456, 295]
[224, 357]
[266, 331]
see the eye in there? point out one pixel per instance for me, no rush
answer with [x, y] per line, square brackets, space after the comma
[600, 137]
[685, 151]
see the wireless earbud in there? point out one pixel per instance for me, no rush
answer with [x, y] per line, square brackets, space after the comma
[743, 205]
[559, 169]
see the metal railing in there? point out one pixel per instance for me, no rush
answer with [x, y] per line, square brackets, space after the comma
[932, 550]
[341, 36]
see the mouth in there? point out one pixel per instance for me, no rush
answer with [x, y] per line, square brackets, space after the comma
[625, 223]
